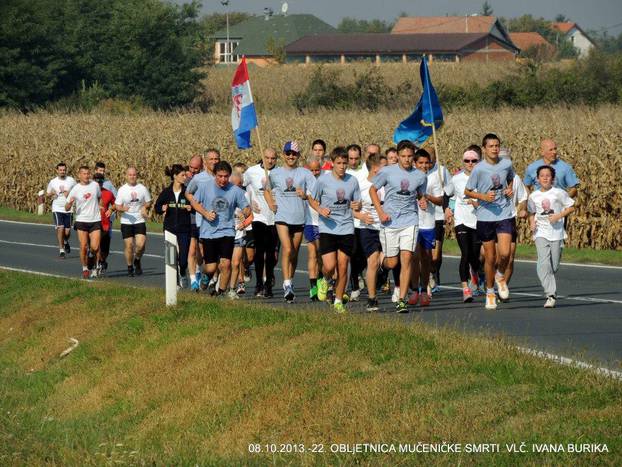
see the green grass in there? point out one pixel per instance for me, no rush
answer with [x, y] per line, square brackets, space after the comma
[199, 383]
[571, 255]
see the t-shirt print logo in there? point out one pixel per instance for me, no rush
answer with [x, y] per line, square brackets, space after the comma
[87, 196]
[340, 194]
[61, 188]
[546, 207]
[404, 187]
[289, 181]
[134, 197]
[220, 204]
[495, 179]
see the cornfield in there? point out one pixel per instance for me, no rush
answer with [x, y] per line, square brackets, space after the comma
[589, 139]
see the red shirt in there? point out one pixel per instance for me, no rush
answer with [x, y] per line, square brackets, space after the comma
[106, 201]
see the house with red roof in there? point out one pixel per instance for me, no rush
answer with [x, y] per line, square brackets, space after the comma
[577, 37]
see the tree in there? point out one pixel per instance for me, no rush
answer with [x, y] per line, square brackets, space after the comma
[350, 25]
[560, 18]
[486, 9]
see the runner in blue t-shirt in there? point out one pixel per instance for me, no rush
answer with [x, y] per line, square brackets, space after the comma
[404, 194]
[491, 182]
[217, 201]
[565, 177]
[335, 195]
[286, 194]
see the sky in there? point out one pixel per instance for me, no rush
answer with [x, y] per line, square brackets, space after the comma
[589, 14]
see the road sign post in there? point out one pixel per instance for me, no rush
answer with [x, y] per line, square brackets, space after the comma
[170, 273]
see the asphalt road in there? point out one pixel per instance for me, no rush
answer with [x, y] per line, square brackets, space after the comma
[586, 325]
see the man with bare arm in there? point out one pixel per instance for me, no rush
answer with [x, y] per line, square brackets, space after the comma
[58, 189]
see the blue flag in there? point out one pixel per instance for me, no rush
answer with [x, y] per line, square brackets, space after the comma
[418, 126]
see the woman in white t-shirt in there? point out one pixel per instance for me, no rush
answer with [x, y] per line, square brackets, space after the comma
[465, 223]
[548, 207]
[86, 195]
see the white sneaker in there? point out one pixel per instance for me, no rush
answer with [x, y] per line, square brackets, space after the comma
[491, 301]
[396, 295]
[231, 295]
[354, 295]
[550, 302]
[183, 282]
[502, 288]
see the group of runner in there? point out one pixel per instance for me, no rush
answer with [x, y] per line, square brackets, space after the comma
[363, 213]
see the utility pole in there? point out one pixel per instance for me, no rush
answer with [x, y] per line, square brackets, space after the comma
[228, 50]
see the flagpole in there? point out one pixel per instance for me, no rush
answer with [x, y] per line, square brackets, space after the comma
[436, 151]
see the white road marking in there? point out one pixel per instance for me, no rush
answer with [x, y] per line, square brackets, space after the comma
[529, 261]
[303, 272]
[570, 362]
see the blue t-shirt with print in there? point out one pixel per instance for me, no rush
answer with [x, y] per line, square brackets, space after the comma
[401, 188]
[223, 201]
[284, 182]
[564, 174]
[487, 177]
[336, 194]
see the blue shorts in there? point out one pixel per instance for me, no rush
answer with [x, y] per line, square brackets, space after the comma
[427, 238]
[488, 230]
[370, 241]
[312, 233]
[240, 242]
[62, 219]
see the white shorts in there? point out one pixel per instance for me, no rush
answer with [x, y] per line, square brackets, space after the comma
[395, 240]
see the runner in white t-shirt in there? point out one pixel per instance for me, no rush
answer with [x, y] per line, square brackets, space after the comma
[57, 189]
[426, 237]
[548, 206]
[370, 226]
[264, 231]
[312, 234]
[86, 195]
[133, 201]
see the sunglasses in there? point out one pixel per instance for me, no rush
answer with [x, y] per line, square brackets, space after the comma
[470, 161]
[291, 153]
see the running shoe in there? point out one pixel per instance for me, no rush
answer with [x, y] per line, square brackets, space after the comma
[267, 293]
[258, 291]
[550, 302]
[94, 273]
[313, 293]
[502, 287]
[138, 267]
[432, 282]
[130, 271]
[372, 304]
[104, 265]
[322, 289]
[231, 295]
[386, 287]
[183, 282]
[424, 300]
[67, 248]
[479, 292]
[414, 298]
[248, 275]
[401, 306]
[211, 287]
[354, 295]
[345, 299]
[491, 301]
[241, 290]
[289, 294]
[396, 295]
[62, 254]
[435, 289]
[86, 274]
[340, 308]
[474, 281]
[205, 281]
[194, 286]
[467, 295]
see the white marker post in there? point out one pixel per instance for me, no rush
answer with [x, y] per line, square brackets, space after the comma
[170, 268]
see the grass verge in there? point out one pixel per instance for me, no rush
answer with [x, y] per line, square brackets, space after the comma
[571, 255]
[201, 383]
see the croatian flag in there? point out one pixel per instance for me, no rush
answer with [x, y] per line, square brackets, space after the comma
[243, 116]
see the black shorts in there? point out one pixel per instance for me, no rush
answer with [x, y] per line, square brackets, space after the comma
[87, 226]
[295, 228]
[329, 243]
[194, 231]
[131, 230]
[370, 241]
[215, 249]
[62, 219]
[515, 232]
[488, 230]
[249, 236]
[439, 230]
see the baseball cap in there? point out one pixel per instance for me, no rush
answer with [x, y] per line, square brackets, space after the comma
[291, 146]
